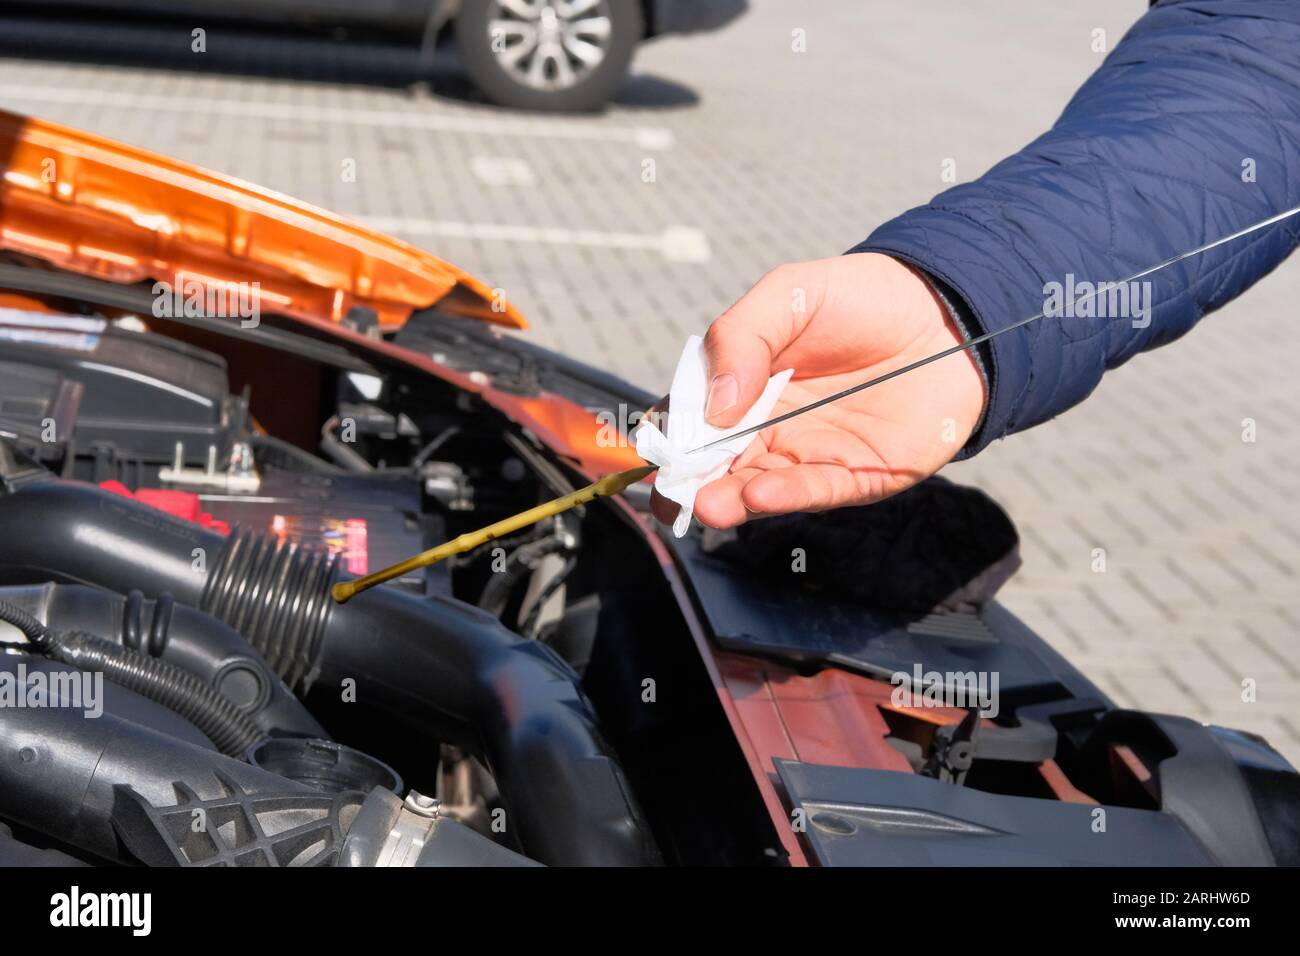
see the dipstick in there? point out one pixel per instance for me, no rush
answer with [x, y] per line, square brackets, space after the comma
[603, 488]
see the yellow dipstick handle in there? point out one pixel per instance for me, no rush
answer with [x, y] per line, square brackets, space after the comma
[609, 485]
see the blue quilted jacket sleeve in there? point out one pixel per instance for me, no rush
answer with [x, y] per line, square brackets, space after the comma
[1189, 131]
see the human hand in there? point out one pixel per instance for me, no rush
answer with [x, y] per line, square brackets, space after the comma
[837, 322]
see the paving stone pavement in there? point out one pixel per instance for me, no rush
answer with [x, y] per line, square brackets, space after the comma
[761, 155]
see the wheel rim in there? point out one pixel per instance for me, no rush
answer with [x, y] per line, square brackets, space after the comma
[549, 44]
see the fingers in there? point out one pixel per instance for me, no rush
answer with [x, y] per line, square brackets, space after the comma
[719, 504]
[805, 488]
[742, 344]
[722, 503]
[754, 492]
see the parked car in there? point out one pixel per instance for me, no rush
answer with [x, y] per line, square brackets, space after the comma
[215, 401]
[560, 55]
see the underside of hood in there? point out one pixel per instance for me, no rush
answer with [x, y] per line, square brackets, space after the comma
[90, 205]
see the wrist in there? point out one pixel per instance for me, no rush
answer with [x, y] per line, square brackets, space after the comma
[960, 327]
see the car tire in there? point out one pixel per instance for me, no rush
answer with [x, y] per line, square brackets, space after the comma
[509, 84]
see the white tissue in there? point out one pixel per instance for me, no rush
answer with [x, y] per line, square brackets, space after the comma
[683, 473]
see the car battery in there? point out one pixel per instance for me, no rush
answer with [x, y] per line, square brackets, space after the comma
[369, 521]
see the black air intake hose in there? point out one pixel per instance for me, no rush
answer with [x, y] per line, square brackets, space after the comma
[440, 665]
[67, 777]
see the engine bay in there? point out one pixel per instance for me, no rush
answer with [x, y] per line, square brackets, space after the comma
[178, 688]
[195, 541]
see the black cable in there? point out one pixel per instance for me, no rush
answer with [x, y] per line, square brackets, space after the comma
[232, 730]
[39, 636]
[340, 453]
[500, 586]
[270, 450]
[441, 439]
[530, 623]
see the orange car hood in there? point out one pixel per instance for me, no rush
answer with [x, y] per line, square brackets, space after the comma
[101, 208]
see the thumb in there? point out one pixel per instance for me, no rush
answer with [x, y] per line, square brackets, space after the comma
[742, 344]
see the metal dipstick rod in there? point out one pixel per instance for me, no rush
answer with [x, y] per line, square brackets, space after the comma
[608, 485]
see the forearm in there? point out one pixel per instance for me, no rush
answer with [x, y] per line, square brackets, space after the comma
[1152, 157]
